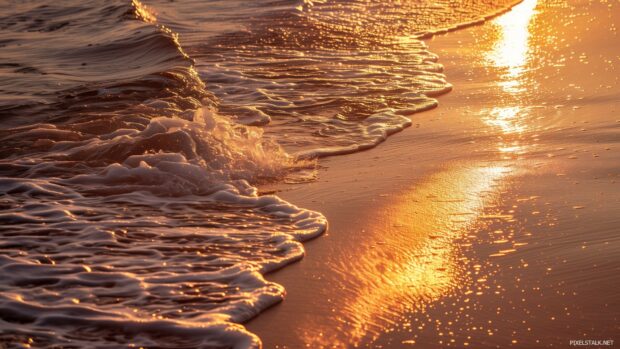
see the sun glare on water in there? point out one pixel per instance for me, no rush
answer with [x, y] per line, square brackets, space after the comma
[511, 52]
[414, 257]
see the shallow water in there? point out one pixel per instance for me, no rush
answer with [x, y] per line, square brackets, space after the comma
[133, 137]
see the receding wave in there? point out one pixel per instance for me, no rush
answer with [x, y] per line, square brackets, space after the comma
[132, 138]
[334, 76]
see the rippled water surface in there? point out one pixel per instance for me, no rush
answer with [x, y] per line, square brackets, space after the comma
[132, 138]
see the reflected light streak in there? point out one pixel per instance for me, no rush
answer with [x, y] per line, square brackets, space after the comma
[515, 149]
[507, 119]
[512, 50]
[412, 256]
[512, 53]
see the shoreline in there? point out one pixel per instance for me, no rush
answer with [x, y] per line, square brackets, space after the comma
[422, 36]
[477, 157]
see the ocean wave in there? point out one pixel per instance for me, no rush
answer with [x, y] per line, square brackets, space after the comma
[68, 63]
[128, 217]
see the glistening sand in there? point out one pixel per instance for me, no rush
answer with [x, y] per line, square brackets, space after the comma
[493, 222]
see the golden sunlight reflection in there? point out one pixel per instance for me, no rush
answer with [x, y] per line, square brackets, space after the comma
[511, 53]
[412, 256]
[512, 50]
[508, 119]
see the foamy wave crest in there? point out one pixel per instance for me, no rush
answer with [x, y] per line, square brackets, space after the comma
[184, 156]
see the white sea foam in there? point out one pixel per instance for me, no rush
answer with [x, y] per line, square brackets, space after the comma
[165, 247]
[139, 267]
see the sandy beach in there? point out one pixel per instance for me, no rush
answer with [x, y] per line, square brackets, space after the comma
[492, 221]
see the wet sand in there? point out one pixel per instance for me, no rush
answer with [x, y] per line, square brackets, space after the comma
[493, 221]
